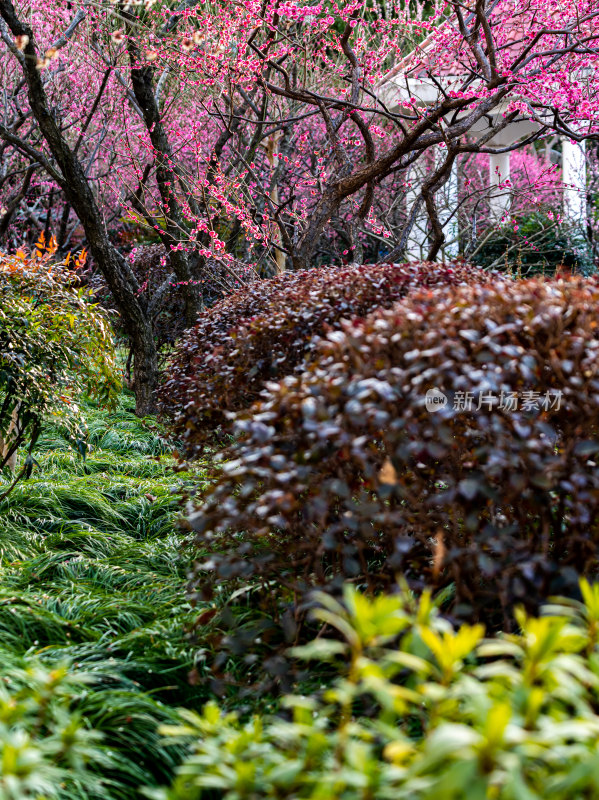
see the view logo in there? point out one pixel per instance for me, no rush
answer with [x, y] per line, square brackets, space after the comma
[435, 400]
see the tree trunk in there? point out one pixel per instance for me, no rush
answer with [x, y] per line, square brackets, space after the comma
[272, 152]
[166, 178]
[145, 375]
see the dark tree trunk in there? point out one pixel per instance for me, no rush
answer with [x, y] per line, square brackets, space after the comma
[166, 178]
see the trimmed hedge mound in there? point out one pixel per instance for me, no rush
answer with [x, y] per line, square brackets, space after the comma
[343, 472]
[266, 330]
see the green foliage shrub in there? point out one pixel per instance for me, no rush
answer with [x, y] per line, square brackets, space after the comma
[342, 472]
[55, 346]
[535, 246]
[267, 329]
[46, 750]
[420, 710]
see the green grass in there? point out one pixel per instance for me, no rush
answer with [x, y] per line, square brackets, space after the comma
[92, 573]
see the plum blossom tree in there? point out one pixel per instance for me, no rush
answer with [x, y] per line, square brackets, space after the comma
[308, 85]
[249, 136]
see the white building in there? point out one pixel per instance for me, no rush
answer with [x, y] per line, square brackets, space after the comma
[410, 81]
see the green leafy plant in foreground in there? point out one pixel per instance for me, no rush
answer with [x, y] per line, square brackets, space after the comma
[45, 748]
[421, 710]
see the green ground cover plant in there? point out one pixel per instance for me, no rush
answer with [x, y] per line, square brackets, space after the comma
[93, 616]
